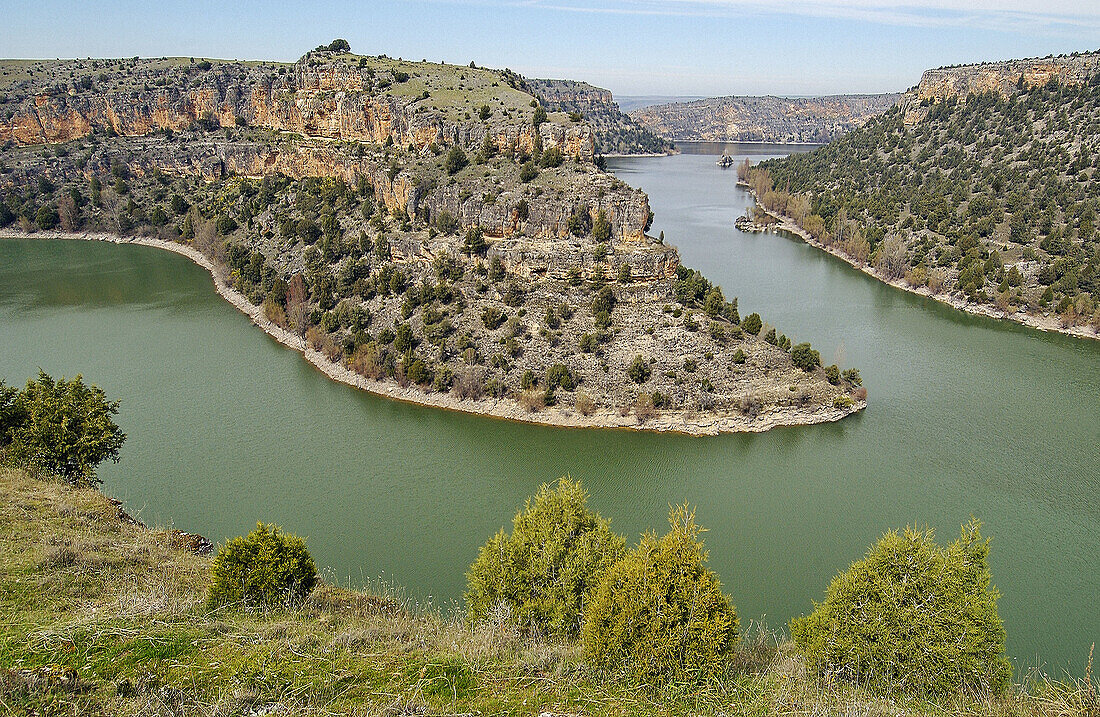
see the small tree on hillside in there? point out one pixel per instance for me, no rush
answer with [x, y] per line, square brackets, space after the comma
[265, 568]
[455, 161]
[64, 427]
[805, 357]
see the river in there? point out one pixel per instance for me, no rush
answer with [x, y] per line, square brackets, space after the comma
[967, 416]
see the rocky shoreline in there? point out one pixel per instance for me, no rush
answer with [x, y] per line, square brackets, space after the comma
[694, 423]
[1042, 323]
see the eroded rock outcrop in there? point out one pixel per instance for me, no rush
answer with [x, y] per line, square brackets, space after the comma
[333, 100]
[763, 119]
[1001, 78]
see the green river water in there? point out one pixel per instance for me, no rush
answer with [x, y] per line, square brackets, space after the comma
[967, 416]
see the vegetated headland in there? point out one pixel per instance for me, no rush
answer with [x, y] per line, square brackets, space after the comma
[424, 231]
[980, 188]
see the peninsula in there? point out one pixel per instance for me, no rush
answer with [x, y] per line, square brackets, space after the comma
[428, 232]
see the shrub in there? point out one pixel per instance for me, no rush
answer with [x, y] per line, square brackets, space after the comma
[418, 373]
[752, 324]
[805, 357]
[455, 161]
[552, 158]
[493, 317]
[532, 400]
[559, 376]
[584, 404]
[601, 227]
[545, 569]
[64, 427]
[911, 615]
[579, 222]
[832, 374]
[639, 371]
[528, 172]
[474, 244]
[265, 568]
[644, 408]
[660, 613]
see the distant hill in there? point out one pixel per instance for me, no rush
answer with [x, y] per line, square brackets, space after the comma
[629, 103]
[616, 133]
[980, 187]
[762, 119]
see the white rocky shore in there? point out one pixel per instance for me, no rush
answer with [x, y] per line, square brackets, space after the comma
[688, 422]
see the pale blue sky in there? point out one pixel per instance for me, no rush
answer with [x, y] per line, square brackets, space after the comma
[633, 47]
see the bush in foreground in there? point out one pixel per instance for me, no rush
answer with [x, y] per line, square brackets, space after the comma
[63, 427]
[660, 613]
[911, 616]
[544, 570]
[265, 568]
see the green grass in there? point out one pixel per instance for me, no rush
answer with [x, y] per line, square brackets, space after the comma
[101, 616]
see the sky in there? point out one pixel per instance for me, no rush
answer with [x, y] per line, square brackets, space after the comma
[632, 47]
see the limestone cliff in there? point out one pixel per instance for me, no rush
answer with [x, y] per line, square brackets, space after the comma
[1002, 78]
[763, 119]
[319, 96]
[616, 132]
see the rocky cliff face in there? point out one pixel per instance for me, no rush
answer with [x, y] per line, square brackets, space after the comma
[763, 119]
[615, 132]
[331, 100]
[1002, 78]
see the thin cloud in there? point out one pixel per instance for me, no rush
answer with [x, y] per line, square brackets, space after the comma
[1057, 17]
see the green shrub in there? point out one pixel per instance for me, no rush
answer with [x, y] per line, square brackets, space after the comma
[559, 376]
[63, 427]
[552, 158]
[805, 357]
[545, 569]
[601, 227]
[912, 616]
[455, 160]
[832, 374]
[659, 613]
[265, 568]
[528, 172]
[639, 370]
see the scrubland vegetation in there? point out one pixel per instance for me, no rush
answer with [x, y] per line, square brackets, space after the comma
[990, 198]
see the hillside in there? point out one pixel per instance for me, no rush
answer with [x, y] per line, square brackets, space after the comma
[105, 616]
[987, 200]
[616, 133]
[762, 119]
[430, 232]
